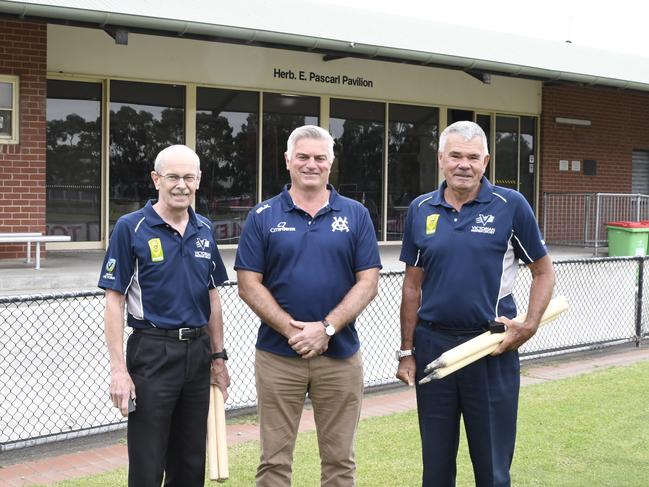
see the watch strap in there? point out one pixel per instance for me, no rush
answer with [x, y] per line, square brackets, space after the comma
[222, 354]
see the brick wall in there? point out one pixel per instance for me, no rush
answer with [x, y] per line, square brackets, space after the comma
[23, 52]
[620, 124]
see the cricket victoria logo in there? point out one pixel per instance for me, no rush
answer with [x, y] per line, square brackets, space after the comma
[482, 222]
[281, 227]
[340, 224]
[203, 244]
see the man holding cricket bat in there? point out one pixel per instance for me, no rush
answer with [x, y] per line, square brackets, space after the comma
[461, 247]
[307, 265]
[162, 262]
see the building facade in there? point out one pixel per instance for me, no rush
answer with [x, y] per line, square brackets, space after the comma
[90, 112]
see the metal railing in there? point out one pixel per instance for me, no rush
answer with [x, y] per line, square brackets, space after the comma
[580, 219]
[55, 370]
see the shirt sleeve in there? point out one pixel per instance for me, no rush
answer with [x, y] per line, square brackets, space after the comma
[367, 248]
[250, 251]
[119, 261]
[409, 251]
[528, 243]
[218, 274]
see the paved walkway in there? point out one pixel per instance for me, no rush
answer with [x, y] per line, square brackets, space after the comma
[47, 471]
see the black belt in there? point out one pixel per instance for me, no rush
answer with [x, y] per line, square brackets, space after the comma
[182, 334]
[493, 326]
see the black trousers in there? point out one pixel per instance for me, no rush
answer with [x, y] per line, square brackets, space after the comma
[167, 432]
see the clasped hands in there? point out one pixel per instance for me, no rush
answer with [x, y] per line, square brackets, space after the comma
[308, 338]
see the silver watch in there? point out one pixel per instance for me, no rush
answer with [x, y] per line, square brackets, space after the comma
[405, 353]
[329, 328]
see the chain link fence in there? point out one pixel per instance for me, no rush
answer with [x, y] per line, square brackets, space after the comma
[55, 370]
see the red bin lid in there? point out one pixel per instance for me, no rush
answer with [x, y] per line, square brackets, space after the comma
[628, 224]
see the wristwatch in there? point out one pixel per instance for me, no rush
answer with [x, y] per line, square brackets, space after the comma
[329, 328]
[222, 354]
[405, 353]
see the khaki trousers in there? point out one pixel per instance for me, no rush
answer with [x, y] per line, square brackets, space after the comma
[335, 387]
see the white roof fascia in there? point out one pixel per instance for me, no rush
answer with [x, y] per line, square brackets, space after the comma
[312, 25]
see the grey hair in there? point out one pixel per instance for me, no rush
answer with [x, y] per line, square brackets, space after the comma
[172, 150]
[468, 130]
[310, 132]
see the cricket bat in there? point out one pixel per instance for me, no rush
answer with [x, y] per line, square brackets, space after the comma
[217, 447]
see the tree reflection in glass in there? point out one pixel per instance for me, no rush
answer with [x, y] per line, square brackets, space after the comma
[73, 159]
[144, 119]
[412, 160]
[282, 114]
[226, 142]
[358, 131]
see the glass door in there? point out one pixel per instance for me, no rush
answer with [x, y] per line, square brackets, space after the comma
[506, 152]
[515, 154]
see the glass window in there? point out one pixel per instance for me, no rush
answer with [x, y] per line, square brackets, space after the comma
[9, 109]
[485, 124]
[413, 134]
[528, 163]
[506, 150]
[457, 115]
[282, 114]
[144, 119]
[226, 142]
[358, 130]
[73, 160]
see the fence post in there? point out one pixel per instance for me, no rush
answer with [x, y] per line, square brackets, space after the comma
[587, 198]
[596, 224]
[638, 302]
[545, 216]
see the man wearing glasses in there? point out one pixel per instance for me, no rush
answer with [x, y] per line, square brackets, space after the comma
[163, 265]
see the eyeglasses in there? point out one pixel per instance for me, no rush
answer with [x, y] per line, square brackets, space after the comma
[175, 178]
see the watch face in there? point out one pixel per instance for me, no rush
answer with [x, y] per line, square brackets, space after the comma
[330, 330]
[403, 353]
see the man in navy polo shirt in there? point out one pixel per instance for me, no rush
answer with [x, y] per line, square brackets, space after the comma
[162, 262]
[308, 264]
[461, 247]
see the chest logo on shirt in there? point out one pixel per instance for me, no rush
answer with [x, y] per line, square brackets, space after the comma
[155, 245]
[203, 244]
[431, 223]
[482, 222]
[281, 227]
[340, 224]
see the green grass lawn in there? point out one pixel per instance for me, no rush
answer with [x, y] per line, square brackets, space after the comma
[586, 431]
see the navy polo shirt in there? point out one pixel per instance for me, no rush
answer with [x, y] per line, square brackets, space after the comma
[166, 277]
[308, 264]
[470, 258]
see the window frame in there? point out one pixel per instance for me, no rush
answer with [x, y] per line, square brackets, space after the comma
[14, 138]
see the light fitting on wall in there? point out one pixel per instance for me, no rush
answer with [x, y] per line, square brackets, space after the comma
[119, 35]
[581, 122]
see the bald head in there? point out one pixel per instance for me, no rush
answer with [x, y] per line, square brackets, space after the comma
[172, 152]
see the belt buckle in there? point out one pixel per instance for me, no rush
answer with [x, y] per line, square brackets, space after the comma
[180, 334]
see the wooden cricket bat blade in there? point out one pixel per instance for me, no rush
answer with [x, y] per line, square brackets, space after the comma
[221, 435]
[212, 455]
[484, 344]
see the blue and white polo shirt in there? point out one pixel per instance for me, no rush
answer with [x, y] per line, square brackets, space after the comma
[308, 264]
[470, 258]
[166, 277]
